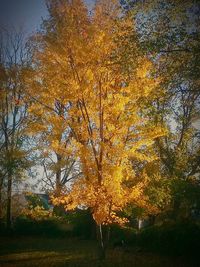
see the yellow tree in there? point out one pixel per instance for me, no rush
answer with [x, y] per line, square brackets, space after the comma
[79, 65]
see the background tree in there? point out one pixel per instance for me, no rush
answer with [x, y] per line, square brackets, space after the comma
[13, 113]
[169, 32]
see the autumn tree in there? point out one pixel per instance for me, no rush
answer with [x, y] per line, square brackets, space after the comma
[79, 65]
[49, 108]
[47, 128]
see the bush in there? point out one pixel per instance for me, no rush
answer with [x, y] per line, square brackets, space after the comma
[2, 227]
[127, 234]
[49, 228]
[82, 223]
[78, 223]
[176, 239]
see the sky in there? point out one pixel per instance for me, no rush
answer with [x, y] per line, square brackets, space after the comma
[24, 13]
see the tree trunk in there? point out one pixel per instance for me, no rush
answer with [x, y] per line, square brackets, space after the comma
[58, 175]
[101, 245]
[0, 202]
[9, 196]
[59, 209]
[1, 192]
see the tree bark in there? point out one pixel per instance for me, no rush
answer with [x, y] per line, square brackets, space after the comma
[101, 245]
[58, 175]
[0, 201]
[9, 202]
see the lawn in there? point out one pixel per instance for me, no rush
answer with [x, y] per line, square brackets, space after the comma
[51, 252]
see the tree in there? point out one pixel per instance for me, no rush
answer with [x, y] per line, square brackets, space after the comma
[169, 33]
[48, 130]
[13, 111]
[2, 169]
[48, 111]
[79, 65]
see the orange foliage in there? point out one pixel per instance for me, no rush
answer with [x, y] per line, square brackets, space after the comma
[80, 67]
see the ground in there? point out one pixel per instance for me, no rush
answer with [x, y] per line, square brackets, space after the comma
[62, 252]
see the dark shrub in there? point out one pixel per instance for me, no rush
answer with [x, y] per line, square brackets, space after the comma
[82, 223]
[180, 239]
[50, 227]
[125, 235]
[2, 227]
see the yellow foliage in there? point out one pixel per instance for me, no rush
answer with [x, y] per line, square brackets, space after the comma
[108, 129]
[37, 213]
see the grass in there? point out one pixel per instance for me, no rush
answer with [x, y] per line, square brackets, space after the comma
[51, 252]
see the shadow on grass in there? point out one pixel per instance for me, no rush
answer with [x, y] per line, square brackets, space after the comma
[21, 244]
[47, 252]
[38, 258]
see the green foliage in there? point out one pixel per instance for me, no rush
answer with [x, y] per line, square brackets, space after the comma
[36, 200]
[168, 32]
[186, 196]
